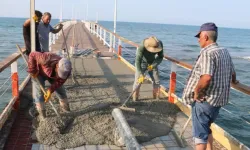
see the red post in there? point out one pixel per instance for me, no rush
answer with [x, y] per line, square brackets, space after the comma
[172, 84]
[15, 85]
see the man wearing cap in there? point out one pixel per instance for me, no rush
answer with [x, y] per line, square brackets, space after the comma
[51, 67]
[208, 85]
[148, 56]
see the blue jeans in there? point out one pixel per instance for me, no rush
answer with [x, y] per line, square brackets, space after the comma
[37, 93]
[203, 115]
[154, 75]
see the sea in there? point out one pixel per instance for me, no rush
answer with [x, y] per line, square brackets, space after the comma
[179, 42]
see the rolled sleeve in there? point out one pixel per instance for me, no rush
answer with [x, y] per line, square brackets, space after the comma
[138, 60]
[206, 64]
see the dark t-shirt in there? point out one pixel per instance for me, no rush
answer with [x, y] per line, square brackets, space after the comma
[27, 40]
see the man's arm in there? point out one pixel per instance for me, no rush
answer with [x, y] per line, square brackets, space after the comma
[58, 83]
[56, 30]
[207, 70]
[138, 59]
[26, 23]
[203, 83]
[234, 80]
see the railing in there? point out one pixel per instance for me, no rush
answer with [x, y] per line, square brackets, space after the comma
[116, 44]
[11, 75]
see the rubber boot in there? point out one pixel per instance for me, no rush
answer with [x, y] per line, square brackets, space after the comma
[64, 106]
[41, 110]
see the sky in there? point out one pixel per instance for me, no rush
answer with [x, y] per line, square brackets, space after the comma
[225, 13]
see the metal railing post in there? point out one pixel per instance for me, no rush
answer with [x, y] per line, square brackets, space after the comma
[114, 42]
[110, 42]
[97, 31]
[104, 38]
[54, 38]
[100, 34]
[50, 41]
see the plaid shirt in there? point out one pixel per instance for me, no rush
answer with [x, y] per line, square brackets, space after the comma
[215, 61]
[45, 64]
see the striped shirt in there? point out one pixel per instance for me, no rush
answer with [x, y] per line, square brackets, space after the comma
[215, 61]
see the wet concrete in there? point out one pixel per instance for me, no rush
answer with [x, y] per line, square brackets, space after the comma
[100, 89]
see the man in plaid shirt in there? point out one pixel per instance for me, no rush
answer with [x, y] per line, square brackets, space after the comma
[208, 86]
[51, 67]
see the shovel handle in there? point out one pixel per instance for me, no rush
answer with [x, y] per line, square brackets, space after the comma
[36, 79]
[42, 88]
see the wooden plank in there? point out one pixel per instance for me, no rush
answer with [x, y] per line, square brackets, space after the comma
[124, 130]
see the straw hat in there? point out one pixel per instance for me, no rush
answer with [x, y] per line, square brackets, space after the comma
[152, 44]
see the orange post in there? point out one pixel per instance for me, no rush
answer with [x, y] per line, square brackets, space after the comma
[119, 49]
[15, 85]
[172, 84]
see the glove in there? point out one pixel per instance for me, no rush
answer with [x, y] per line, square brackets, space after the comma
[34, 75]
[35, 18]
[140, 79]
[47, 96]
[150, 67]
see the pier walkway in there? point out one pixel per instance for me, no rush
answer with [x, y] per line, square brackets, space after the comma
[101, 80]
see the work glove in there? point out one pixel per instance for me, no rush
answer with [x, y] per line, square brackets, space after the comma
[35, 18]
[140, 79]
[34, 75]
[150, 67]
[47, 96]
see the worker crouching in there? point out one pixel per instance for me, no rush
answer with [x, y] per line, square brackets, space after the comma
[148, 56]
[51, 67]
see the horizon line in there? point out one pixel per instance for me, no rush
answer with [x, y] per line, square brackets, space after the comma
[244, 28]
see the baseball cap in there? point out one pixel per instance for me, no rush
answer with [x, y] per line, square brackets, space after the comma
[64, 68]
[210, 26]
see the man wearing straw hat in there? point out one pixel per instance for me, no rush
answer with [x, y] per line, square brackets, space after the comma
[51, 67]
[148, 56]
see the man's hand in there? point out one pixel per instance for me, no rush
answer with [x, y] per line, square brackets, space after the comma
[150, 67]
[235, 81]
[140, 79]
[47, 96]
[35, 18]
[34, 75]
[234, 78]
[200, 96]
[60, 26]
